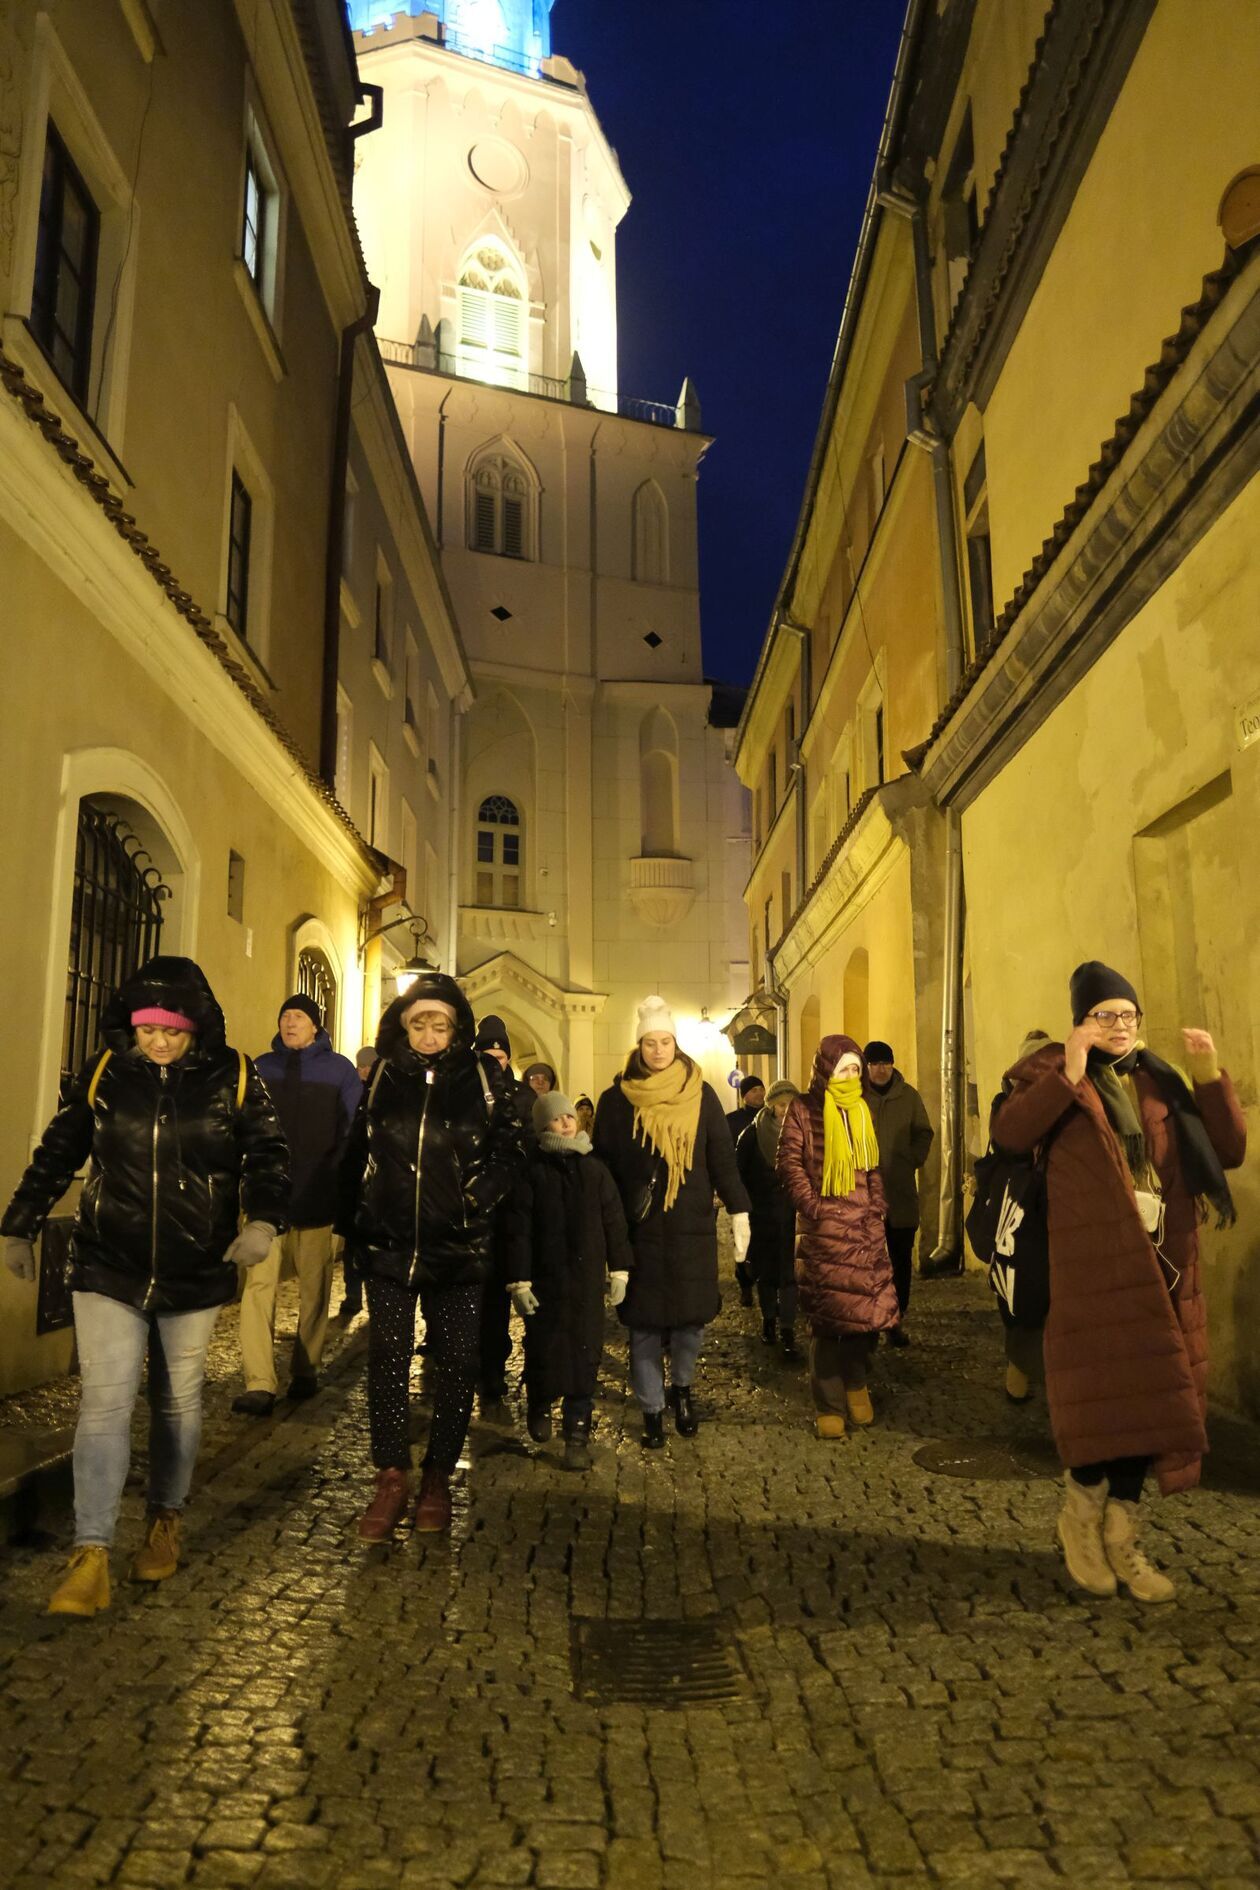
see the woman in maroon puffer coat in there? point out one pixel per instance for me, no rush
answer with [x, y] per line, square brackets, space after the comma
[828, 1162]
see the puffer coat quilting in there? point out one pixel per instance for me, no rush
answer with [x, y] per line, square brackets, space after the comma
[173, 1161]
[577, 1238]
[1126, 1357]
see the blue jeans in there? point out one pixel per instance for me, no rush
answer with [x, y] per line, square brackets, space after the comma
[112, 1339]
[647, 1361]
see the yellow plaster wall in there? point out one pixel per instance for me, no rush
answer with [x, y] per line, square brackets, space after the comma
[883, 929]
[1139, 238]
[1050, 863]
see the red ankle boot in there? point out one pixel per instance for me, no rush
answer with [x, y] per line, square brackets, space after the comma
[380, 1518]
[433, 1511]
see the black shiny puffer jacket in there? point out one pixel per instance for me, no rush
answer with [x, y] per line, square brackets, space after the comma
[430, 1155]
[174, 1161]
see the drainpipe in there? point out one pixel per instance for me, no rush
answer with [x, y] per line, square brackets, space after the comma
[796, 764]
[337, 496]
[946, 1256]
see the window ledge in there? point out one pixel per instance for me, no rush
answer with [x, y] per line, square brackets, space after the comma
[411, 738]
[433, 780]
[502, 922]
[259, 320]
[349, 609]
[241, 651]
[40, 372]
[385, 681]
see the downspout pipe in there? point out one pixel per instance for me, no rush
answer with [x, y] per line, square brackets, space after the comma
[796, 763]
[947, 1255]
[335, 554]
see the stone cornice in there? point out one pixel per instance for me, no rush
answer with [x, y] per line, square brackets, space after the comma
[507, 972]
[1078, 69]
[1158, 486]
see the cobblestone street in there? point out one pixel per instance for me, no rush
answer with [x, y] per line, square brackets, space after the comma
[902, 1687]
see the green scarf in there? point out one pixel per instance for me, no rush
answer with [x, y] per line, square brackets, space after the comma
[849, 1142]
[1122, 1116]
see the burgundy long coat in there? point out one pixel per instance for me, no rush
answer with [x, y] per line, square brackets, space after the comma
[842, 1264]
[1126, 1357]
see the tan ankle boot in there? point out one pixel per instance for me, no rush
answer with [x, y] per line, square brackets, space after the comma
[829, 1424]
[1079, 1531]
[159, 1558]
[861, 1410]
[84, 1588]
[1127, 1562]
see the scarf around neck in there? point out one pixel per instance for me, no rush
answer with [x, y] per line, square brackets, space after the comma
[666, 1106]
[553, 1144]
[768, 1130]
[1105, 1073]
[849, 1141]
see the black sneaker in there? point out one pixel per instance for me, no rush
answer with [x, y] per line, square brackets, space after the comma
[538, 1422]
[300, 1389]
[255, 1403]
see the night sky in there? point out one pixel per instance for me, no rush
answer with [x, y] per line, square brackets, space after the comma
[747, 134]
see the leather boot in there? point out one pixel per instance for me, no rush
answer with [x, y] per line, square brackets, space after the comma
[1079, 1530]
[829, 1424]
[84, 1588]
[538, 1422]
[653, 1430]
[380, 1519]
[1125, 1558]
[577, 1444]
[858, 1401]
[433, 1511]
[159, 1558]
[744, 1281]
[686, 1423]
[790, 1348]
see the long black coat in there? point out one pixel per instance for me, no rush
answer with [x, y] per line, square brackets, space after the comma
[430, 1155]
[577, 1237]
[173, 1161]
[772, 1249]
[674, 1279]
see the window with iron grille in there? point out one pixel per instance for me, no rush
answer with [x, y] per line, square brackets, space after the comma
[498, 852]
[65, 267]
[240, 531]
[316, 979]
[115, 924]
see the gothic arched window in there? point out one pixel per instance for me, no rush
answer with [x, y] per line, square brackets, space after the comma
[493, 318]
[649, 546]
[498, 852]
[500, 507]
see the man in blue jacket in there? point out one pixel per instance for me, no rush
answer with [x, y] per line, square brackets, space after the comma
[316, 1093]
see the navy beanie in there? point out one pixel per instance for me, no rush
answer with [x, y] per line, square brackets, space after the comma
[300, 1002]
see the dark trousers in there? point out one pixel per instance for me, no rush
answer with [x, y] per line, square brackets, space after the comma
[452, 1316]
[901, 1252]
[352, 1281]
[1125, 1477]
[495, 1340]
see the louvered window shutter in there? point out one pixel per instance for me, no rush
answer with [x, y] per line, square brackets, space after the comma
[508, 325]
[513, 528]
[483, 522]
[473, 323]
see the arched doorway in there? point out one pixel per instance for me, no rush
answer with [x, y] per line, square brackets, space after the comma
[857, 995]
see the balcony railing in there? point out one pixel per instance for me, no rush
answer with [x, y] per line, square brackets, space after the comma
[425, 358]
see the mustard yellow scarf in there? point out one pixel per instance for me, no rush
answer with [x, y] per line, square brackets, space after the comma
[666, 1108]
[848, 1135]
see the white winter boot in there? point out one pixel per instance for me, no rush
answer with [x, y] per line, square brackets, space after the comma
[1080, 1533]
[1130, 1566]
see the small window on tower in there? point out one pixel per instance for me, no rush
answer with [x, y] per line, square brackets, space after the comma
[500, 507]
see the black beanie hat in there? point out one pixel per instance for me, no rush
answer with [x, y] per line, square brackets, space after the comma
[751, 1082]
[877, 1051]
[300, 1002]
[1093, 982]
[492, 1035]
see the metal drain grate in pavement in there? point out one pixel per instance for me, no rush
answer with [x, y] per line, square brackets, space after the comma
[977, 1458]
[657, 1663]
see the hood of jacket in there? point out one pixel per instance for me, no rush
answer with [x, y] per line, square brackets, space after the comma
[169, 984]
[829, 1053]
[391, 1038]
[320, 1042]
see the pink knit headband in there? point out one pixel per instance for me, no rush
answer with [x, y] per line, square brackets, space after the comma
[166, 1020]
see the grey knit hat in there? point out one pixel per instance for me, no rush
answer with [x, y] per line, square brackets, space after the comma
[548, 1108]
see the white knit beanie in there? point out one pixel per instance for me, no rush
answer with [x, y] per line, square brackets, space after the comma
[655, 1018]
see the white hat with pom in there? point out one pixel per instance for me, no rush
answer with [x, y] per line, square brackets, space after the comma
[654, 1018]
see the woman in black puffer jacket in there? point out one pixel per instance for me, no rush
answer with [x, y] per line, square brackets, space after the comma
[435, 1147]
[181, 1138]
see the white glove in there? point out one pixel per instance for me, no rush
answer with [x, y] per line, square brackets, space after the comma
[741, 1234]
[522, 1298]
[252, 1244]
[617, 1284]
[19, 1257]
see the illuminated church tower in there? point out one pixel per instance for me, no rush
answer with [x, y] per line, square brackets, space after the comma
[599, 857]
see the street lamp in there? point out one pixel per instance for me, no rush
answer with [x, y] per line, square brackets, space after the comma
[419, 962]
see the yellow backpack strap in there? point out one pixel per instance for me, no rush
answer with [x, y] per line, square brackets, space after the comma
[97, 1074]
[242, 1074]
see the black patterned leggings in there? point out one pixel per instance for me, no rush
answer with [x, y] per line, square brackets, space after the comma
[452, 1318]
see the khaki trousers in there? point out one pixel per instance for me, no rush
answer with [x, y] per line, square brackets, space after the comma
[306, 1252]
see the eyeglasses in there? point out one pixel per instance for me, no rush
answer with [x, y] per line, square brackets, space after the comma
[1111, 1020]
